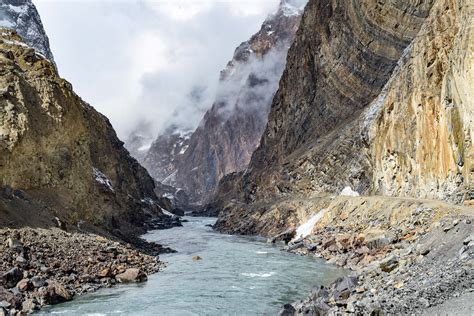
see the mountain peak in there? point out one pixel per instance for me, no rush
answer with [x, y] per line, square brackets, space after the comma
[22, 16]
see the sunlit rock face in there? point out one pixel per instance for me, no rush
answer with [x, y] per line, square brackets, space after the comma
[377, 96]
[61, 157]
[230, 131]
[22, 16]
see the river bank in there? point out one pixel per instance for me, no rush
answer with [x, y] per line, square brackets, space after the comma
[406, 254]
[40, 267]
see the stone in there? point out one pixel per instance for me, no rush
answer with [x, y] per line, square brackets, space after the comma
[54, 293]
[3, 311]
[14, 243]
[105, 273]
[131, 275]
[24, 285]
[389, 263]
[60, 224]
[38, 282]
[30, 305]
[377, 239]
[424, 302]
[196, 258]
[288, 310]
[285, 236]
[10, 278]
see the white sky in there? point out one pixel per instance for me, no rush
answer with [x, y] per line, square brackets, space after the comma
[137, 61]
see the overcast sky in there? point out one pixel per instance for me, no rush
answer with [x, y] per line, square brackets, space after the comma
[140, 62]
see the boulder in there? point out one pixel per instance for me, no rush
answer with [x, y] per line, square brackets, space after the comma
[38, 282]
[14, 243]
[24, 285]
[131, 275]
[288, 310]
[389, 263]
[197, 258]
[285, 236]
[10, 278]
[54, 293]
[30, 305]
[377, 238]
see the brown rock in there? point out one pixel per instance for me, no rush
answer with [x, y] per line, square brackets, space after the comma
[24, 285]
[131, 275]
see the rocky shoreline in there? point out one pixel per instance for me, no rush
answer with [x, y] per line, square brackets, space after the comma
[40, 267]
[423, 261]
[405, 255]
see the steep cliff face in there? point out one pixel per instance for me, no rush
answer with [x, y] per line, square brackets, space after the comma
[230, 131]
[377, 95]
[22, 16]
[58, 153]
[163, 156]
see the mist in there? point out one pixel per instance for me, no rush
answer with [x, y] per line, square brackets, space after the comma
[147, 64]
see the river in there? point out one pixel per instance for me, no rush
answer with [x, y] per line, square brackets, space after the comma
[236, 276]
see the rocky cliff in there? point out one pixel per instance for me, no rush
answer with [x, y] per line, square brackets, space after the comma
[59, 157]
[22, 16]
[375, 96]
[230, 131]
[376, 100]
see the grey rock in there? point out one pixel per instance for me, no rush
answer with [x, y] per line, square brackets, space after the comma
[10, 278]
[288, 310]
[389, 263]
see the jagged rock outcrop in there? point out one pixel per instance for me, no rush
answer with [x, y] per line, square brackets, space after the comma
[22, 16]
[230, 131]
[163, 156]
[58, 156]
[377, 96]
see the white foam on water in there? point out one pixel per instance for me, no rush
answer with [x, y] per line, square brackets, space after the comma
[261, 252]
[258, 275]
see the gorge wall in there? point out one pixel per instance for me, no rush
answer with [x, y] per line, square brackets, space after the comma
[376, 95]
[59, 157]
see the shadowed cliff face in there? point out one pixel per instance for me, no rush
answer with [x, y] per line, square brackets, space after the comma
[230, 131]
[63, 154]
[377, 95]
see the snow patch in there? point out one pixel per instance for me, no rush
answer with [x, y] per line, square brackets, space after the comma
[347, 191]
[169, 196]
[306, 229]
[18, 9]
[102, 179]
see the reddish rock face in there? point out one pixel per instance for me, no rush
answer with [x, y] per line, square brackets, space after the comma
[230, 131]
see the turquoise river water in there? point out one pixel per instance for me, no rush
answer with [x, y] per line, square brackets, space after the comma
[236, 276]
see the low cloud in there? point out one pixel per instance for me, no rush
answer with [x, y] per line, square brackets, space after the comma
[148, 63]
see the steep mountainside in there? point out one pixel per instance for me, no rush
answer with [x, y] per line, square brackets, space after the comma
[230, 131]
[22, 16]
[165, 152]
[59, 157]
[377, 100]
[347, 115]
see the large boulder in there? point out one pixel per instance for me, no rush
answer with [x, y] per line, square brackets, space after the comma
[131, 275]
[54, 293]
